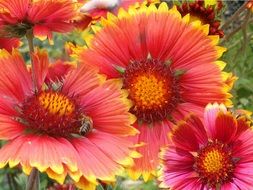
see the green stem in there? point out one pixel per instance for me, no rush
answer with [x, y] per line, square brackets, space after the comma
[29, 37]
[9, 181]
[33, 181]
[244, 29]
[15, 184]
[228, 36]
[245, 38]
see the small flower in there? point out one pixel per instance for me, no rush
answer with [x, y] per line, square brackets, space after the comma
[72, 124]
[216, 154]
[167, 64]
[249, 5]
[206, 14]
[42, 16]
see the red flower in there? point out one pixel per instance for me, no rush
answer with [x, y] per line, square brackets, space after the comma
[169, 67]
[216, 154]
[75, 124]
[43, 16]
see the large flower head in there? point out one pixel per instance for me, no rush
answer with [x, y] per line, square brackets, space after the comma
[75, 124]
[167, 64]
[43, 16]
[216, 154]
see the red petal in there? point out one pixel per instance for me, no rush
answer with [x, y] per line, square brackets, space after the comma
[51, 11]
[93, 162]
[108, 110]
[42, 32]
[150, 140]
[40, 63]
[16, 8]
[225, 127]
[210, 114]
[9, 129]
[58, 71]
[116, 148]
[9, 43]
[16, 83]
[242, 125]
[81, 81]
[178, 172]
[197, 126]
[183, 136]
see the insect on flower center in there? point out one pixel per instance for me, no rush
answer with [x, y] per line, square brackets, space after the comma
[152, 88]
[55, 114]
[214, 164]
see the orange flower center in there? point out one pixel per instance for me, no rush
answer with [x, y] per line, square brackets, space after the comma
[57, 104]
[149, 91]
[56, 114]
[214, 164]
[153, 89]
[213, 161]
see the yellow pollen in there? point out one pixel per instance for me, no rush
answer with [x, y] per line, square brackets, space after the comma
[56, 103]
[148, 91]
[213, 161]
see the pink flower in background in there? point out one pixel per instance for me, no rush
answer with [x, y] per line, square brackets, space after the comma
[216, 154]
